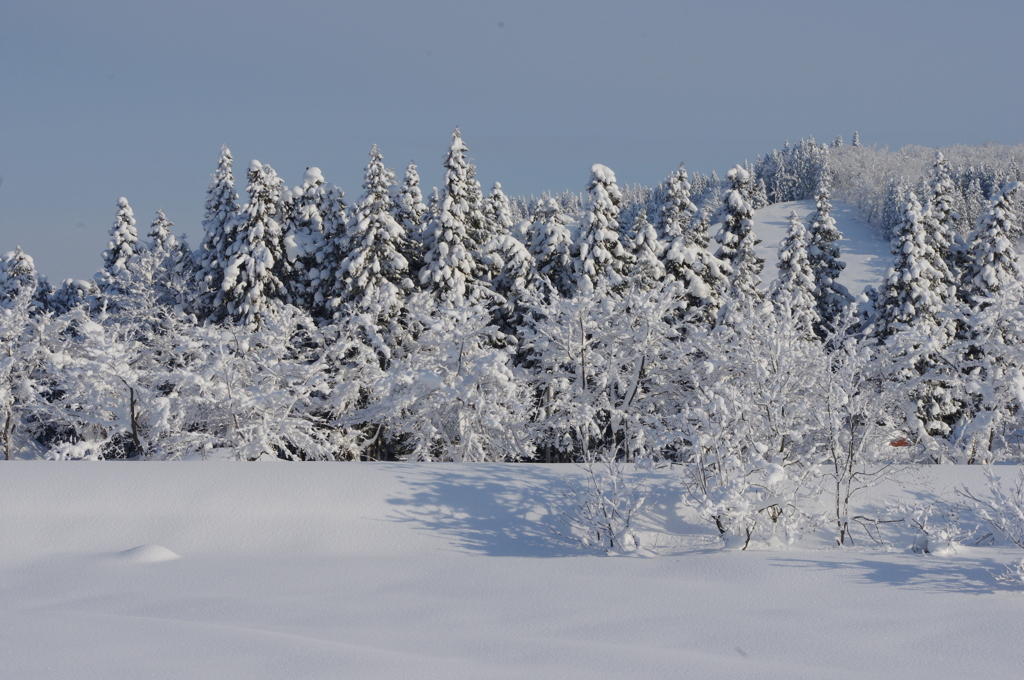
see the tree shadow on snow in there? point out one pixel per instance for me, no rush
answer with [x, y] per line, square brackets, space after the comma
[914, 572]
[487, 509]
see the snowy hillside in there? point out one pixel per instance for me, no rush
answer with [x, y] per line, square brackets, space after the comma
[866, 254]
[207, 570]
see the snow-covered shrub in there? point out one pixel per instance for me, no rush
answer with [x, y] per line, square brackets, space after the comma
[603, 509]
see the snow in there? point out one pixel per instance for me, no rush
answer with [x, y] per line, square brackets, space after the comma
[391, 570]
[866, 255]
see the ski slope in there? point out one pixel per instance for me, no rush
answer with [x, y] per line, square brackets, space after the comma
[450, 571]
[866, 254]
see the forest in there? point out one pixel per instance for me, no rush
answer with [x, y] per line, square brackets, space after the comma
[622, 323]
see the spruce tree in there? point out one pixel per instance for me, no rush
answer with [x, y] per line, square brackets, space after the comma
[831, 297]
[218, 226]
[161, 240]
[550, 242]
[601, 254]
[450, 267]
[499, 211]
[795, 287]
[856, 139]
[252, 277]
[374, 271]
[737, 239]
[325, 294]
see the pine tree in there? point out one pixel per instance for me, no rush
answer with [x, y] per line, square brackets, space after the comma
[856, 139]
[648, 251]
[831, 297]
[218, 225]
[303, 222]
[676, 210]
[253, 275]
[121, 249]
[992, 255]
[939, 216]
[737, 239]
[795, 288]
[450, 268]
[915, 291]
[601, 252]
[374, 266]
[550, 242]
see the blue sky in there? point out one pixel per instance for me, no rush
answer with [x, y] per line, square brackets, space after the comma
[104, 99]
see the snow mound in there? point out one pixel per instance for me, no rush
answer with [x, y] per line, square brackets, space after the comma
[148, 554]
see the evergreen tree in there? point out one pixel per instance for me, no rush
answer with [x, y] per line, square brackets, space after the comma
[410, 212]
[325, 296]
[550, 242]
[303, 222]
[703, 276]
[499, 211]
[856, 139]
[121, 249]
[676, 210]
[253, 275]
[940, 218]
[795, 288]
[449, 266]
[992, 255]
[647, 251]
[831, 297]
[161, 240]
[915, 291]
[737, 239]
[373, 265]
[17, 277]
[601, 253]
[218, 225]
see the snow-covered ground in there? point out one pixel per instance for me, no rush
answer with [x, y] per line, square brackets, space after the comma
[866, 254]
[350, 570]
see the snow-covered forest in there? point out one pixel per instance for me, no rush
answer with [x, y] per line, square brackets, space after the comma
[623, 323]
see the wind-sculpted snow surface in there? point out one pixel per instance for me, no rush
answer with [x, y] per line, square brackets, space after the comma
[392, 570]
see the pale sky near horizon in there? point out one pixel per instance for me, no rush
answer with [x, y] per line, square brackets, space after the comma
[118, 98]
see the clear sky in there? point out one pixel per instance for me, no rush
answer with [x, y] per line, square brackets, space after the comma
[106, 98]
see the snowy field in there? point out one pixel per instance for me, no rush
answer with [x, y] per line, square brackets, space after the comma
[450, 571]
[866, 254]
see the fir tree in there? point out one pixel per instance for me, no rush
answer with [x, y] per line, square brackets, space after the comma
[550, 242]
[601, 253]
[410, 212]
[17, 277]
[373, 265]
[795, 288]
[647, 251]
[737, 239]
[161, 240]
[856, 139]
[303, 223]
[325, 296]
[703, 276]
[940, 218]
[676, 210]
[499, 211]
[449, 265]
[831, 297]
[121, 249]
[992, 255]
[915, 291]
[252, 276]
[218, 225]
